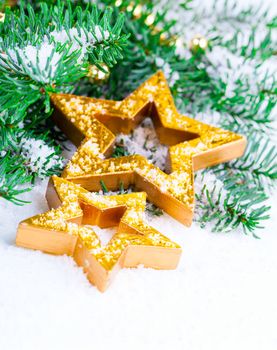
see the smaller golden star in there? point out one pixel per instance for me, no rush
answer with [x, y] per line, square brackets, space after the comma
[65, 230]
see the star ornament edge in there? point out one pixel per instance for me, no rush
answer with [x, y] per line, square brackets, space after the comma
[66, 230]
[91, 123]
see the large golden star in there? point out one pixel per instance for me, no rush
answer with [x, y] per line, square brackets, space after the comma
[91, 124]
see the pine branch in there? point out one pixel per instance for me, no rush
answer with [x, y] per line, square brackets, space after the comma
[57, 55]
[153, 210]
[120, 151]
[228, 81]
[13, 177]
[43, 51]
[258, 165]
[231, 204]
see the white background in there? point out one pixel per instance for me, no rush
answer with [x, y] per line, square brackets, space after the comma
[222, 296]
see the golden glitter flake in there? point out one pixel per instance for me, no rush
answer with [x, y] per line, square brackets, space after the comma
[193, 145]
[198, 42]
[65, 230]
[91, 124]
[2, 17]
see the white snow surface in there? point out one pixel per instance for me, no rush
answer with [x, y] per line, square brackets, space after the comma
[36, 153]
[144, 141]
[221, 296]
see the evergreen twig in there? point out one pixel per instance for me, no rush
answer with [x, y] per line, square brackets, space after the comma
[229, 80]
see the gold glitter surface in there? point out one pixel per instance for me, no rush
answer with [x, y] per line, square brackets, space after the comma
[91, 124]
[73, 196]
[187, 138]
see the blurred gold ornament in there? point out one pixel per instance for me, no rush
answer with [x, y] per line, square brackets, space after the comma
[198, 43]
[118, 3]
[137, 11]
[2, 17]
[96, 75]
[163, 37]
[130, 7]
[179, 42]
[9, 3]
[167, 39]
[150, 19]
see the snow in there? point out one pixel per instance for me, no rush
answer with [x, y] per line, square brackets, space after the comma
[171, 76]
[145, 142]
[32, 56]
[212, 185]
[41, 62]
[221, 296]
[31, 148]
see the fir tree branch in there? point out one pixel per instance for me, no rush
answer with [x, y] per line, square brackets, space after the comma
[56, 56]
[231, 204]
[229, 81]
[42, 51]
[12, 178]
[258, 165]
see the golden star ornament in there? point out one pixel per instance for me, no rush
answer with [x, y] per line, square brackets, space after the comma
[91, 124]
[65, 229]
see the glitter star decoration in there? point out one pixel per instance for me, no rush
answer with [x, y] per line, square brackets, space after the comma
[91, 124]
[65, 230]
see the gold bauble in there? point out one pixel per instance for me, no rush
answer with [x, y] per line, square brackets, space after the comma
[130, 7]
[6, 3]
[150, 19]
[137, 11]
[169, 40]
[118, 3]
[165, 37]
[2, 17]
[198, 43]
[96, 75]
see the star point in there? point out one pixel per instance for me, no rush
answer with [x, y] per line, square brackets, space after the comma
[66, 229]
[192, 145]
[91, 124]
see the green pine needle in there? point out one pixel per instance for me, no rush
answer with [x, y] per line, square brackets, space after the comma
[133, 50]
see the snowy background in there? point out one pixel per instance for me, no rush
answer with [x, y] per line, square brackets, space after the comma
[222, 295]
